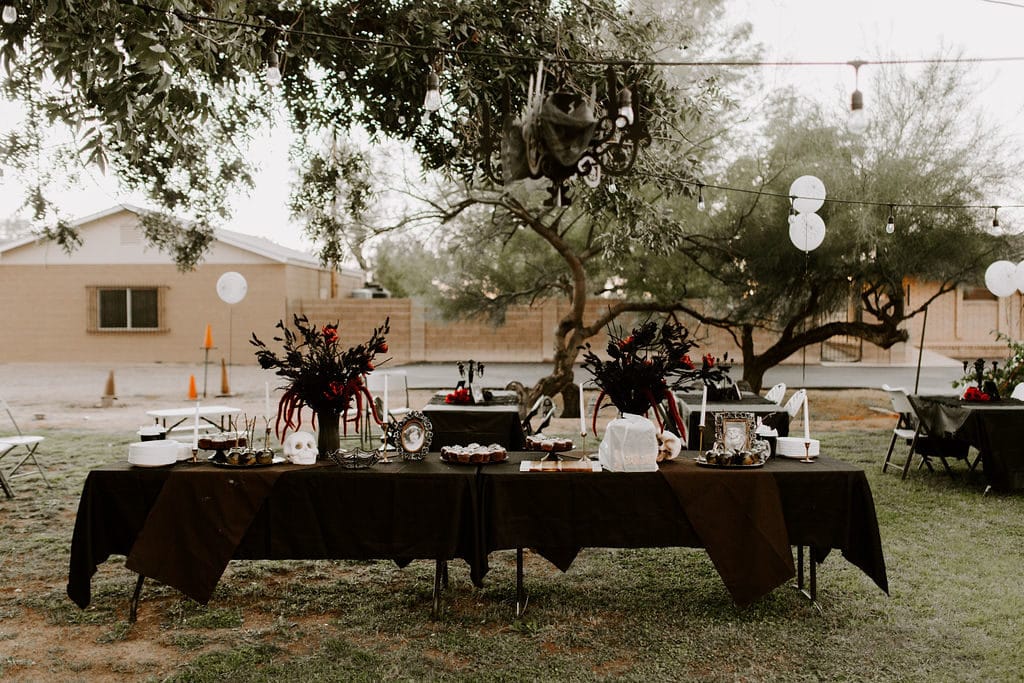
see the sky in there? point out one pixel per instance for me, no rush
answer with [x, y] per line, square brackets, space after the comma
[790, 30]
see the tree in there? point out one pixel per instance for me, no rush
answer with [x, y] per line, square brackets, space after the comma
[166, 93]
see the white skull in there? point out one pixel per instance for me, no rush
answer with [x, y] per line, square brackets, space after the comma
[669, 446]
[300, 448]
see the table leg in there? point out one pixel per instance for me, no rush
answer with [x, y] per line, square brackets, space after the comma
[133, 609]
[6, 485]
[440, 583]
[521, 597]
[811, 592]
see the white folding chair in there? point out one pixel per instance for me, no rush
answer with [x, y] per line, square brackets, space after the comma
[1018, 392]
[776, 393]
[911, 430]
[21, 446]
[795, 402]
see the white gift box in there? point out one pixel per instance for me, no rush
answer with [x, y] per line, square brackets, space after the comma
[630, 444]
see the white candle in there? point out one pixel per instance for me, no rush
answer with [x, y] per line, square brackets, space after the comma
[266, 399]
[703, 404]
[807, 422]
[583, 413]
[195, 429]
[385, 415]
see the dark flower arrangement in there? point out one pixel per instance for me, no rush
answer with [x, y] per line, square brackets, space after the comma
[645, 366]
[321, 375]
[997, 379]
[460, 396]
[975, 394]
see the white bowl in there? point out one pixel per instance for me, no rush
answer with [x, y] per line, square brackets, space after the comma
[153, 453]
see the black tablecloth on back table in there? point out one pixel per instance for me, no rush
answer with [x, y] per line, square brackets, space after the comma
[496, 421]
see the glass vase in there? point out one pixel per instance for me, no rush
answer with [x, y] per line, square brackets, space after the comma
[328, 437]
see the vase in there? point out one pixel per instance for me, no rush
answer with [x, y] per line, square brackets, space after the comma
[328, 438]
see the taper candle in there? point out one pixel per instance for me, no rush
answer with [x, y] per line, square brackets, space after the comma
[583, 413]
[703, 404]
[385, 415]
[807, 422]
[195, 429]
[266, 398]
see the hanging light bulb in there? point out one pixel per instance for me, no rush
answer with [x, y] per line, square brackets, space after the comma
[273, 73]
[625, 108]
[432, 101]
[995, 217]
[792, 210]
[890, 225]
[857, 122]
[10, 14]
[700, 198]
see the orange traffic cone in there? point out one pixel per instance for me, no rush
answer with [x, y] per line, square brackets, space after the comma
[193, 395]
[108, 392]
[225, 390]
[208, 340]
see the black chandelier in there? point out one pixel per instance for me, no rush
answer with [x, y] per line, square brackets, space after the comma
[559, 137]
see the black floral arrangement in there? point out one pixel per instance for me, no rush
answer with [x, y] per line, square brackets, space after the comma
[321, 374]
[644, 367]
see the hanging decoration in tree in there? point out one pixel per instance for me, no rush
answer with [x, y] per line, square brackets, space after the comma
[806, 228]
[560, 136]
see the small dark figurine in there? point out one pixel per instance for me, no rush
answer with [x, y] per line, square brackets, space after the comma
[991, 390]
[979, 371]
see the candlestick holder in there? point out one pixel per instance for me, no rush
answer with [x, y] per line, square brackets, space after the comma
[700, 442]
[807, 452]
[583, 446]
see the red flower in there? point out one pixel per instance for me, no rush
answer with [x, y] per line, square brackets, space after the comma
[330, 334]
[461, 395]
[709, 360]
[383, 348]
[975, 394]
[334, 390]
[687, 362]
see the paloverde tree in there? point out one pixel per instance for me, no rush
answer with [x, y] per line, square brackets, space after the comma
[166, 93]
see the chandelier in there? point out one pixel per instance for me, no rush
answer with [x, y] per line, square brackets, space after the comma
[562, 135]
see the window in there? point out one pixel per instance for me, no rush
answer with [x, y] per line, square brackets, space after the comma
[127, 308]
[978, 294]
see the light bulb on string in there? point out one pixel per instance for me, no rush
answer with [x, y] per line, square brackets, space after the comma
[10, 14]
[857, 122]
[700, 198]
[890, 225]
[625, 108]
[995, 217]
[273, 73]
[432, 100]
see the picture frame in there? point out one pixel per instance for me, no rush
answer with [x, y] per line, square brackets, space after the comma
[734, 431]
[411, 436]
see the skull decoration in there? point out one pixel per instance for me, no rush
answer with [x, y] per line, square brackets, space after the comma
[669, 446]
[300, 448]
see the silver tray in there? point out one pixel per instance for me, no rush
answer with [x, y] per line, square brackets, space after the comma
[276, 461]
[701, 462]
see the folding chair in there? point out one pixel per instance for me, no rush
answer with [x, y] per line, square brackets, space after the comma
[795, 402]
[912, 431]
[23, 446]
[776, 393]
[1018, 392]
[544, 406]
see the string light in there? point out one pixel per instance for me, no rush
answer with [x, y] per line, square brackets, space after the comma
[890, 225]
[857, 122]
[625, 107]
[432, 100]
[700, 198]
[273, 73]
[995, 217]
[10, 14]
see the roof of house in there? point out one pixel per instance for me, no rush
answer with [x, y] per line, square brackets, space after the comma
[260, 246]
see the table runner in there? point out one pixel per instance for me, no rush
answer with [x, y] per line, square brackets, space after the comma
[202, 514]
[739, 520]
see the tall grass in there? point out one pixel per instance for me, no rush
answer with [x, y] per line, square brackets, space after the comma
[955, 612]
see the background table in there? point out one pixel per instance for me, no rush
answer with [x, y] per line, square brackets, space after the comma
[403, 511]
[496, 421]
[772, 414]
[996, 429]
[207, 414]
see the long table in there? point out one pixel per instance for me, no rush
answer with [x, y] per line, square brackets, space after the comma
[182, 524]
[496, 421]
[996, 429]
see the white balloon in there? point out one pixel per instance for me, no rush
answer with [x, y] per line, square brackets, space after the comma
[809, 192]
[231, 287]
[1001, 278]
[1018, 276]
[807, 231]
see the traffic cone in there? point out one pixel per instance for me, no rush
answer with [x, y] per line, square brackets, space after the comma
[108, 392]
[208, 340]
[193, 395]
[225, 390]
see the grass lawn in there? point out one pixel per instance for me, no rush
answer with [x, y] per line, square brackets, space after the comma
[956, 612]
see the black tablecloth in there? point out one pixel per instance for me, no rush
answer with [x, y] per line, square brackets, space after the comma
[493, 422]
[996, 429]
[403, 511]
[825, 505]
[432, 510]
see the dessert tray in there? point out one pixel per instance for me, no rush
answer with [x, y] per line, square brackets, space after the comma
[218, 462]
[474, 454]
[703, 462]
[539, 442]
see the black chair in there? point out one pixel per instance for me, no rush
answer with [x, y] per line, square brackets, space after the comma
[912, 431]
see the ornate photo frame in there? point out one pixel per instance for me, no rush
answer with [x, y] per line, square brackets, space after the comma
[735, 431]
[411, 436]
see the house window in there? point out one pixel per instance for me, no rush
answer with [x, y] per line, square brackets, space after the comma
[978, 294]
[125, 308]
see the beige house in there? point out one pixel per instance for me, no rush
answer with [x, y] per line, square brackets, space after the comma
[118, 298]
